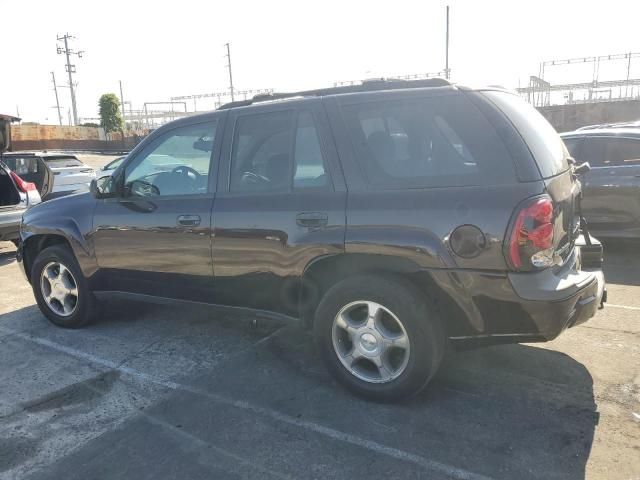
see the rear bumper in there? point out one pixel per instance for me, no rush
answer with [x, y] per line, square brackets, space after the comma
[529, 307]
[572, 300]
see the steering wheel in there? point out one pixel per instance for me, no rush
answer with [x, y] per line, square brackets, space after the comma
[254, 179]
[186, 170]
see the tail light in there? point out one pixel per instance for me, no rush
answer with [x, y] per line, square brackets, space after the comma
[531, 236]
[22, 185]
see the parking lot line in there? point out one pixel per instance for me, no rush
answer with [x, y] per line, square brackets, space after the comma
[626, 307]
[425, 463]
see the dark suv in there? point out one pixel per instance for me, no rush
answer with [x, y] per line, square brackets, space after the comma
[393, 218]
[611, 201]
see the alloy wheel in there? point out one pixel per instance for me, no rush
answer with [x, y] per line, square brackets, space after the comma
[59, 289]
[370, 341]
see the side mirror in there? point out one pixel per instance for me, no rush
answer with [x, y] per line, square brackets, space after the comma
[103, 187]
[582, 168]
[204, 144]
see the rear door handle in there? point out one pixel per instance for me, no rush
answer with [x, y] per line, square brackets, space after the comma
[189, 220]
[312, 219]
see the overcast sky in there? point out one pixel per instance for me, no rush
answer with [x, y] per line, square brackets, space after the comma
[163, 49]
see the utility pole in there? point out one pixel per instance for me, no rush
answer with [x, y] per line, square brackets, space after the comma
[446, 65]
[122, 102]
[71, 69]
[55, 89]
[228, 55]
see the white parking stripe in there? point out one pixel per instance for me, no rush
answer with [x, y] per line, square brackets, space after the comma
[626, 307]
[427, 464]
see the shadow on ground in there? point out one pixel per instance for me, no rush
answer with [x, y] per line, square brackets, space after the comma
[514, 411]
[621, 262]
[7, 257]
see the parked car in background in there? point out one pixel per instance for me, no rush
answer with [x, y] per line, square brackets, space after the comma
[611, 200]
[70, 175]
[16, 195]
[393, 218]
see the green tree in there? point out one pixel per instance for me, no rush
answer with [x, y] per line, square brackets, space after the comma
[110, 118]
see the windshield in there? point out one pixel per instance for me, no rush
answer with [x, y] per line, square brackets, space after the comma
[544, 142]
[114, 164]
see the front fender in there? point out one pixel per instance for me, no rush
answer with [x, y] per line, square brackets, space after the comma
[69, 218]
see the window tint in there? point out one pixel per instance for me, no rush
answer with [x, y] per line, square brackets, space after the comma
[175, 164]
[309, 163]
[623, 151]
[22, 165]
[275, 152]
[594, 151]
[541, 138]
[443, 141]
[573, 145]
[609, 151]
[63, 162]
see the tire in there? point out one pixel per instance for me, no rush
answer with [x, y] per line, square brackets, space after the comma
[70, 313]
[404, 368]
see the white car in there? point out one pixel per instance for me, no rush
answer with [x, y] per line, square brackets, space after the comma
[69, 174]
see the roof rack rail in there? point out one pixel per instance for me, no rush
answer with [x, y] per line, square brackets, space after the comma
[365, 86]
[632, 124]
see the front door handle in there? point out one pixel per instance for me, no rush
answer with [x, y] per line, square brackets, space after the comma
[189, 220]
[312, 219]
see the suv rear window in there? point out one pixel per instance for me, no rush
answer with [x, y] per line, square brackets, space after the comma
[542, 139]
[427, 142]
[63, 162]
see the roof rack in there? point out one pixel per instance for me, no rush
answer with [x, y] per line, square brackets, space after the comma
[611, 125]
[366, 86]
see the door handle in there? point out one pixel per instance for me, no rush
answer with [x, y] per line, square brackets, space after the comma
[312, 219]
[189, 220]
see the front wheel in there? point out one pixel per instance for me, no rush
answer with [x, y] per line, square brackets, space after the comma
[61, 291]
[379, 336]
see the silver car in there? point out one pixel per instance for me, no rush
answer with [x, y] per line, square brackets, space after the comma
[17, 194]
[70, 175]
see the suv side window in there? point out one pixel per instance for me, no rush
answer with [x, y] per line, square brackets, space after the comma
[611, 151]
[177, 163]
[573, 146]
[623, 151]
[594, 151]
[441, 141]
[276, 152]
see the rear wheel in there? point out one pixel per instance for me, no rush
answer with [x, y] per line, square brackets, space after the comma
[379, 336]
[60, 289]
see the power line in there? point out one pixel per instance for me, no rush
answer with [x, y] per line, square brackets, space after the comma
[71, 69]
[228, 55]
[55, 89]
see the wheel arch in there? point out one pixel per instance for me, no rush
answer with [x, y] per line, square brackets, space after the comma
[37, 239]
[324, 272]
